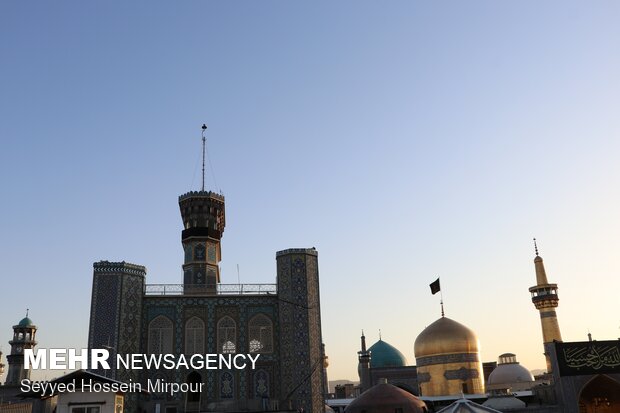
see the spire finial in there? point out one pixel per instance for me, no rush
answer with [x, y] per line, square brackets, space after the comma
[363, 341]
[204, 144]
[535, 247]
[379, 334]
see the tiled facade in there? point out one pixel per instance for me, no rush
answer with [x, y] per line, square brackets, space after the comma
[283, 325]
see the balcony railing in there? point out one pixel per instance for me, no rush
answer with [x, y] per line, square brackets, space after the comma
[202, 289]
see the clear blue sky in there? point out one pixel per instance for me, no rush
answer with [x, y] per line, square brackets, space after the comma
[403, 140]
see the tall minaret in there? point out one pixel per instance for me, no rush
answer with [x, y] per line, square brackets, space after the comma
[203, 222]
[363, 368]
[545, 298]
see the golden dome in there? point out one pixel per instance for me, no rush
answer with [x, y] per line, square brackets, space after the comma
[445, 336]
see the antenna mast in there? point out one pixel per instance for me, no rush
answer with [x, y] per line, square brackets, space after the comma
[204, 144]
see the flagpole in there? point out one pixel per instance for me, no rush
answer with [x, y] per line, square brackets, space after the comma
[441, 301]
[436, 287]
[441, 297]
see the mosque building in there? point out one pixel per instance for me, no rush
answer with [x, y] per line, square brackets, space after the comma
[585, 374]
[447, 362]
[387, 363]
[281, 322]
[582, 377]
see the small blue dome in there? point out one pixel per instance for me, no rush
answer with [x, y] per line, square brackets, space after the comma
[26, 322]
[383, 354]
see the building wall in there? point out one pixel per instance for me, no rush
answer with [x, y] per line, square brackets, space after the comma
[70, 399]
[441, 376]
[568, 387]
[405, 377]
[289, 375]
[487, 369]
[210, 310]
[24, 407]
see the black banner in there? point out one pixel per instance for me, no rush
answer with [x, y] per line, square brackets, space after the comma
[588, 357]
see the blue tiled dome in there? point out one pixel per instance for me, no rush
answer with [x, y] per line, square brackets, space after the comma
[383, 354]
[25, 322]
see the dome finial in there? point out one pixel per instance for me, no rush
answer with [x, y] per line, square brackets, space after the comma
[27, 309]
[379, 334]
[535, 247]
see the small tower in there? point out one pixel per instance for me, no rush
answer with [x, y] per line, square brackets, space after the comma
[23, 338]
[363, 368]
[204, 220]
[116, 313]
[545, 299]
[299, 319]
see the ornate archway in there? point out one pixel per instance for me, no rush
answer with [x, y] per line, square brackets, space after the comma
[600, 395]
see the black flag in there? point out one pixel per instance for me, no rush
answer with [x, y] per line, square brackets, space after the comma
[435, 287]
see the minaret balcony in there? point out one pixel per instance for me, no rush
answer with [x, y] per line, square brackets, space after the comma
[544, 297]
[544, 290]
[543, 301]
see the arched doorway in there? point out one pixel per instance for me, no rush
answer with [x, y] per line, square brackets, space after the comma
[600, 395]
[194, 380]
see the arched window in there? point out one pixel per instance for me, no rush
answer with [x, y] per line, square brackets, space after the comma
[194, 336]
[160, 335]
[261, 334]
[226, 335]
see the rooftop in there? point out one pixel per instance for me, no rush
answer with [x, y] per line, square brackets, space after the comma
[221, 289]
